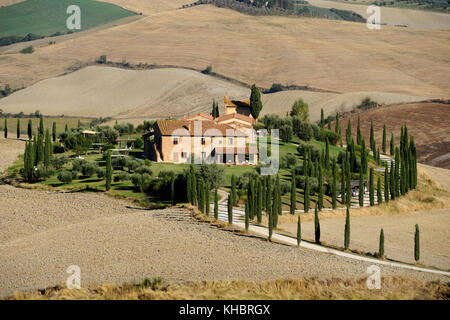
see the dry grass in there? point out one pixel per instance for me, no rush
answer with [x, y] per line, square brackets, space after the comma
[286, 289]
[334, 55]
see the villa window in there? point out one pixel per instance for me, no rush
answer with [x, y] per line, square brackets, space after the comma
[230, 141]
[203, 141]
[175, 140]
[183, 155]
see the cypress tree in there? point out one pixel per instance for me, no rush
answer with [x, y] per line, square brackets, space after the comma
[397, 172]
[247, 220]
[358, 133]
[189, 188]
[329, 125]
[383, 145]
[108, 171]
[5, 129]
[320, 198]
[255, 102]
[337, 128]
[322, 120]
[381, 246]
[41, 125]
[194, 186]
[371, 188]
[327, 154]
[306, 195]
[279, 200]
[30, 129]
[417, 244]
[361, 190]
[275, 208]
[372, 137]
[333, 185]
[386, 183]
[172, 190]
[343, 175]
[348, 132]
[364, 163]
[379, 194]
[47, 149]
[293, 193]
[270, 222]
[18, 128]
[316, 226]
[66, 128]
[201, 196]
[54, 131]
[250, 191]
[259, 202]
[233, 189]
[230, 209]
[299, 231]
[79, 124]
[216, 204]
[40, 149]
[268, 194]
[347, 230]
[392, 148]
[207, 206]
[26, 162]
[392, 181]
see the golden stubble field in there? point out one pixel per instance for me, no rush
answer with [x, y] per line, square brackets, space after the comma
[333, 55]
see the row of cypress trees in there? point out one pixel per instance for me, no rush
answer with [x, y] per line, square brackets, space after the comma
[37, 151]
[29, 129]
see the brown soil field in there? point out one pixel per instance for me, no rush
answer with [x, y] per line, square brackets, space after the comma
[134, 95]
[429, 123]
[43, 232]
[334, 55]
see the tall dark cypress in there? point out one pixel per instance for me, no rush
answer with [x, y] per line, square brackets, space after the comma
[30, 129]
[347, 230]
[246, 215]
[392, 181]
[316, 226]
[230, 209]
[293, 193]
[189, 187]
[348, 132]
[306, 195]
[379, 193]
[279, 201]
[108, 171]
[343, 176]
[201, 196]
[386, 183]
[216, 204]
[392, 146]
[371, 188]
[41, 125]
[18, 128]
[327, 154]
[358, 132]
[334, 186]
[299, 231]
[47, 149]
[320, 198]
[417, 244]
[383, 143]
[372, 137]
[54, 131]
[207, 204]
[361, 190]
[259, 204]
[397, 172]
[172, 190]
[364, 162]
[233, 189]
[381, 245]
[268, 194]
[322, 120]
[270, 223]
[5, 129]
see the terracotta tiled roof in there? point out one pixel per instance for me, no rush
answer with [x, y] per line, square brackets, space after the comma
[204, 115]
[239, 116]
[167, 127]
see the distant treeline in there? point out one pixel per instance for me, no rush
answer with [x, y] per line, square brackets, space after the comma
[282, 7]
[6, 41]
[435, 5]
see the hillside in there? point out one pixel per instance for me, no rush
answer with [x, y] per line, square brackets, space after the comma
[97, 91]
[333, 55]
[429, 123]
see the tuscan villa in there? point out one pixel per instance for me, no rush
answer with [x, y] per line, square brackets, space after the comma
[226, 139]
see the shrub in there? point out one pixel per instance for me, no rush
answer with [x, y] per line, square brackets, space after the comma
[305, 132]
[59, 162]
[101, 173]
[288, 161]
[119, 163]
[122, 176]
[141, 181]
[28, 49]
[313, 183]
[139, 143]
[43, 172]
[332, 136]
[65, 177]
[143, 169]
[88, 169]
[77, 164]
[58, 147]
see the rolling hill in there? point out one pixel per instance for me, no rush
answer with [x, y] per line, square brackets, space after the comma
[98, 91]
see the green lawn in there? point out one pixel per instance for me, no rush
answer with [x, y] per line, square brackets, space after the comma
[45, 17]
